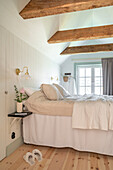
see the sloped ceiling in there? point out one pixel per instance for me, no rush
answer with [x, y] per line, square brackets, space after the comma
[37, 31]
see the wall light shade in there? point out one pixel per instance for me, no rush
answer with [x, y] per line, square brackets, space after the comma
[65, 78]
[54, 78]
[26, 75]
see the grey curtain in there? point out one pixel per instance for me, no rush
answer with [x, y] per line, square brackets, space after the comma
[107, 67]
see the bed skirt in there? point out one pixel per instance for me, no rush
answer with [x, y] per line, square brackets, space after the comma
[56, 131]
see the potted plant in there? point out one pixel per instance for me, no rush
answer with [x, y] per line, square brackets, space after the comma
[20, 97]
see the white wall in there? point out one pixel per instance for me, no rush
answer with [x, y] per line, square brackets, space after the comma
[25, 45]
[2, 98]
[35, 31]
[86, 18]
[19, 54]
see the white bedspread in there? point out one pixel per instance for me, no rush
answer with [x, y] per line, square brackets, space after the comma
[93, 112]
[57, 131]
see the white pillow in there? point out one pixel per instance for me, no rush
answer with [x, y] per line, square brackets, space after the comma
[29, 91]
[51, 92]
[62, 90]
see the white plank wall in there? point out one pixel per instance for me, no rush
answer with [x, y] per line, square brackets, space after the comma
[2, 97]
[19, 54]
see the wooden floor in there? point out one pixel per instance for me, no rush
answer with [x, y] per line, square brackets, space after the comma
[57, 159]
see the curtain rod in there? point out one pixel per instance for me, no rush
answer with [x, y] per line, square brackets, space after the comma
[89, 59]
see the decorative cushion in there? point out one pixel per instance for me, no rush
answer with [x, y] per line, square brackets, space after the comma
[29, 91]
[51, 92]
[62, 90]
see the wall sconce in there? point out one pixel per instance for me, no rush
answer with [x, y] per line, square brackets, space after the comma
[67, 77]
[54, 78]
[26, 75]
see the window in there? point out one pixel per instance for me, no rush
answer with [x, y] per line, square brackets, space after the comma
[89, 79]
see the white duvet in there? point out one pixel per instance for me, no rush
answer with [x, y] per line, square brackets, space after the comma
[93, 112]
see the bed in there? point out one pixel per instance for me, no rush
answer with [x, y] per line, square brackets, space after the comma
[51, 125]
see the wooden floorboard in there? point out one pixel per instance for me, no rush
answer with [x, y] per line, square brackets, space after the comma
[57, 159]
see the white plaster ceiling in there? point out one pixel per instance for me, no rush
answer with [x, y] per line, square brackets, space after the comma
[37, 31]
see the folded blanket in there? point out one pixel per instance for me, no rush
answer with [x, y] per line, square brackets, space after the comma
[93, 112]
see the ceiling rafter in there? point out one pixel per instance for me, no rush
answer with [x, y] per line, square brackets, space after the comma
[88, 49]
[40, 8]
[82, 34]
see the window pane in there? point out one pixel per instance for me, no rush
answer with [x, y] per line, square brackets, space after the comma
[97, 81]
[88, 81]
[81, 72]
[101, 90]
[101, 71]
[101, 81]
[88, 72]
[88, 90]
[82, 81]
[82, 90]
[97, 90]
[97, 71]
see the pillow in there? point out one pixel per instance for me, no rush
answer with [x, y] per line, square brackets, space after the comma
[51, 92]
[35, 100]
[62, 90]
[29, 91]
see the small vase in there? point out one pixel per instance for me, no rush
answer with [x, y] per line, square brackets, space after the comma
[19, 107]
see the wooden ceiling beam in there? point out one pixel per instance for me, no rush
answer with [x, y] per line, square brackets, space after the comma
[82, 34]
[88, 49]
[40, 8]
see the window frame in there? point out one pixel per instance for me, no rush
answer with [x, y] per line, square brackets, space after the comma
[88, 64]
